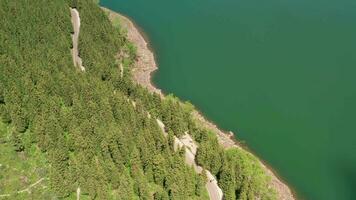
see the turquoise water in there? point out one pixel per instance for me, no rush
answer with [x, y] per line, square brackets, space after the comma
[281, 74]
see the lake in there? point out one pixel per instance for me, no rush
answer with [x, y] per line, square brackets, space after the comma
[280, 74]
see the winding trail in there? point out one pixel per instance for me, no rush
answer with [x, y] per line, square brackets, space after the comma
[75, 38]
[214, 191]
[28, 189]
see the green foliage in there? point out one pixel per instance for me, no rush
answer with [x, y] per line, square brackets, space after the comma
[250, 178]
[74, 3]
[19, 170]
[82, 123]
[125, 186]
[80, 130]
[173, 116]
[239, 173]
[4, 114]
[210, 154]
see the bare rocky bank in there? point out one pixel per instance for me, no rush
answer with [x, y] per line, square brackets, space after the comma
[77, 61]
[146, 65]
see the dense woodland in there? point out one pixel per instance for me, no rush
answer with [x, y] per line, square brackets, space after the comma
[66, 129]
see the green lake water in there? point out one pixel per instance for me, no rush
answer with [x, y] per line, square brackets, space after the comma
[280, 74]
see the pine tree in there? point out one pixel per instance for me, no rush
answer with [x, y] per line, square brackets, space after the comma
[227, 182]
[4, 114]
[17, 141]
[159, 170]
[125, 190]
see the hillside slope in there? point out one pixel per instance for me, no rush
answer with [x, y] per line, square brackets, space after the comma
[75, 134]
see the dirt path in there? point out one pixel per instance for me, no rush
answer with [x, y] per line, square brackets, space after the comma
[214, 191]
[142, 74]
[28, 189]
[31, 186]
[78, 193]
[75, 38]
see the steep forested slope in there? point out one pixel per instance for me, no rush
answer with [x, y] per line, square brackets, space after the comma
[78, 132]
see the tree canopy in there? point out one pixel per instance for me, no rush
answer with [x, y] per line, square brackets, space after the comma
[79, 131]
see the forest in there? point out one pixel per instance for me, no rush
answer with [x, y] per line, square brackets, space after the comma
[65, 131]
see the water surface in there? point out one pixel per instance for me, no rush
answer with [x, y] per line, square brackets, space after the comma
[281, 74]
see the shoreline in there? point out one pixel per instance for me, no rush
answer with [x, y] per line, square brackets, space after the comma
[145, 64]
[143, 71]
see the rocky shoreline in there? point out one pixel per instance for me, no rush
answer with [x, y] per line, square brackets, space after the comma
[146, 65]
